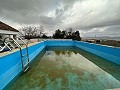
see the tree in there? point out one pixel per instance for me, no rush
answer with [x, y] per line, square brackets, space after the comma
[32, 31]
[28, 30]
[70, 31]
[77, 36]
[40, 30]
[57, 34]
[77, 33]
[45, 36]
[63, 34]
[67, 35]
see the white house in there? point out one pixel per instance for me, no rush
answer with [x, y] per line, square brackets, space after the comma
[7, 31]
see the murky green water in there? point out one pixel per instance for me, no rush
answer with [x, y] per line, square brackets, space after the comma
[68, 68]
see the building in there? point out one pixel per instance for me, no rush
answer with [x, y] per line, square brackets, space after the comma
[7, 31]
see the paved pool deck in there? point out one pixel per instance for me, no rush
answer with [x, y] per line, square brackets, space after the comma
[16, 49]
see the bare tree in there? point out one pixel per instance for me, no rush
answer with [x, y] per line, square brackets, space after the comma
[40, 30]
[32, 31]
[70, 31]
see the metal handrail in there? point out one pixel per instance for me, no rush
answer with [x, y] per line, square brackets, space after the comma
[22, 41]
[26, 49]
[25, 45]
[18, 45]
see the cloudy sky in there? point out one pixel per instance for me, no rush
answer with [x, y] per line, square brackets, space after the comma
[90, 17]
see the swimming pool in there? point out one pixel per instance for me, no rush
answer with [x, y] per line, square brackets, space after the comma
[13, 64]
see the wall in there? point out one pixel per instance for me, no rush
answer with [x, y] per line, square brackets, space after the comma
[59, 43]
[10, 65]
[110, 53]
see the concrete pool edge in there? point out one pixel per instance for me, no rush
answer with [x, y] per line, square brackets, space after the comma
[10, 65]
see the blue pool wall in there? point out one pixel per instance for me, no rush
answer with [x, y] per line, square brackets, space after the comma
[10, 65]
[59, 43]
[109, 53]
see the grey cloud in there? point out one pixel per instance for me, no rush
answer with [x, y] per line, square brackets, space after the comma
[99, 15]
[28, 11]
[112, 31]
[100, 24]
[25, 11]
[56, 20]
[47, 20]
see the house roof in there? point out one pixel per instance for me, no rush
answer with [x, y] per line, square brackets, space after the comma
[6, 27]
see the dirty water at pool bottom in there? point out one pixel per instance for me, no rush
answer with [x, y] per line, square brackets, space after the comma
[64, 69]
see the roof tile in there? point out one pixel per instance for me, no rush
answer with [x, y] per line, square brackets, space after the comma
[6, 27]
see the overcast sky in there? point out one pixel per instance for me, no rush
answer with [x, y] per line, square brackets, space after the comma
[90, 17]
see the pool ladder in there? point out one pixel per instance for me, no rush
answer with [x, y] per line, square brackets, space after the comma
[24, 57]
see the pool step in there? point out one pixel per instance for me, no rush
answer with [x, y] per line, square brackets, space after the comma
[26, 68]
[24, 55]
[25, 62]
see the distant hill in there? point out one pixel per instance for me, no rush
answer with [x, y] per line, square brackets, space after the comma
[105, 37]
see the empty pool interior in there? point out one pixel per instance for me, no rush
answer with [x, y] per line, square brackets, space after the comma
[68, 68]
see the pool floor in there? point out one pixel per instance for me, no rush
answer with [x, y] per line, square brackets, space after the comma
[68, 68]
